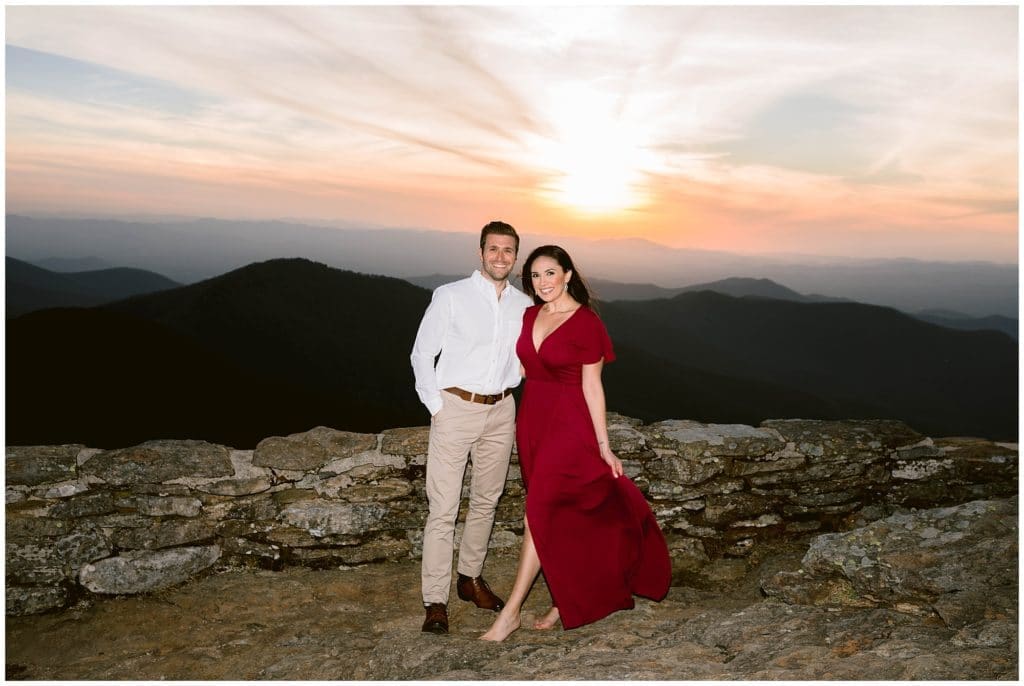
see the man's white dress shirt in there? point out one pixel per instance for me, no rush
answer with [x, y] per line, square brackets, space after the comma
[475, 331]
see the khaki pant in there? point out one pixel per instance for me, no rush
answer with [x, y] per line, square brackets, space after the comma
[484, 433]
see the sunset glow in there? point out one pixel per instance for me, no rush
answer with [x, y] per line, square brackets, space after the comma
[867, 131]
[596, 158]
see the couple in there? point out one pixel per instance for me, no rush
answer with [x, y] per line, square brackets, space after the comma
[587, 526]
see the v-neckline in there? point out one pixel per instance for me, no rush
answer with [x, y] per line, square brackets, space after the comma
[536, 346]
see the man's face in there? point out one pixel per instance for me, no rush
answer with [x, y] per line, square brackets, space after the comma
[498, 256]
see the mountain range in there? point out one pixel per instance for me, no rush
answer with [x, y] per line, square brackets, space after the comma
[741, 287]
[192, 250]
[862, 360]
[736, 286]
[283, 345]
[604, 289]
[30, 288]
[33, 287]
[73, 264]
[959, 320]
[268, 349]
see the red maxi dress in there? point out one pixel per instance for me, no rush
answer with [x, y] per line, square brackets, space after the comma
[596, 537]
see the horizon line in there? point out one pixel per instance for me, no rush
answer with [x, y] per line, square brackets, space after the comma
[356, 225]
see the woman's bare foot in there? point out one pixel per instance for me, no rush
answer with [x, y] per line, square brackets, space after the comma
[548, 621]
[503, 627]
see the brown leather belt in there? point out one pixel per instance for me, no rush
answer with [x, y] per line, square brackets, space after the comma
[477, 398]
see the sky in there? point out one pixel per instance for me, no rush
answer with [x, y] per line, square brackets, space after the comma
[864, 131]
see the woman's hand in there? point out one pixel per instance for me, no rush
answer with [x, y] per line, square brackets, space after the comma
[609, 457]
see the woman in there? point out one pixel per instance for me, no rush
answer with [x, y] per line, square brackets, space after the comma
[587, 526]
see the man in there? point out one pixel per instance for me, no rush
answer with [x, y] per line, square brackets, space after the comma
[473, 323]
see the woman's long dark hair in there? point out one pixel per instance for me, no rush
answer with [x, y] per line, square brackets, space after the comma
[577, 286]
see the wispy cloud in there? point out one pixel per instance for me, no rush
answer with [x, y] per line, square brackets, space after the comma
[740, 125]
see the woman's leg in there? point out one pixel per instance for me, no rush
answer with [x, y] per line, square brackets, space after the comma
[529, 567]
[549, 620]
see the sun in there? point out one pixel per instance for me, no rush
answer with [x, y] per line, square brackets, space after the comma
[593, 176]
[593, 162]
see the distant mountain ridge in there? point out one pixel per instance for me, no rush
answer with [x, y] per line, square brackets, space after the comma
[606, 290]
[302, 321]
[744, 287]
[30, 288]
[957, 320]
[189, 251]
[889, 363]
[72, 264]
[741, 287]
[279, 346]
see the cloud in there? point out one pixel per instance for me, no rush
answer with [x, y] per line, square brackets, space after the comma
[804, 131]
[806, 111]
[77, 81]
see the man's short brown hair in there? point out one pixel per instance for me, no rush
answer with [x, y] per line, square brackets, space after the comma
[500, 228]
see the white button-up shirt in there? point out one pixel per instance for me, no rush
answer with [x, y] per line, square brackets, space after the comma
[475, 331]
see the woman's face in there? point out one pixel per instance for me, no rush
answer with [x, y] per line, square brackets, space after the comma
[548, 278]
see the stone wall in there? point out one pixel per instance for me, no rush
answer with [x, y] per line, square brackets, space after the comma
[86, 521]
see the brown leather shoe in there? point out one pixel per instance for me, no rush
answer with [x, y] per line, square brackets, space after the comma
[437, 618]
[477, 590]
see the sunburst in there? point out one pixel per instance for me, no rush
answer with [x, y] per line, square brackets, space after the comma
[593, 162]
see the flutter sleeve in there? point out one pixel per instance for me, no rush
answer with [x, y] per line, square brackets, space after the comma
[595, 343]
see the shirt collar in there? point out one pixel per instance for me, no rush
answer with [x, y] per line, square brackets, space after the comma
[486, 285]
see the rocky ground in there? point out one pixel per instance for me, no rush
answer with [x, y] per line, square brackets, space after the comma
[864, 605]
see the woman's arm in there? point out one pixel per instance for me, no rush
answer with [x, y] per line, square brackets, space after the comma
[593, 393]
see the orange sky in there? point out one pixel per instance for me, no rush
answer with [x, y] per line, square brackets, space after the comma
[865, 131]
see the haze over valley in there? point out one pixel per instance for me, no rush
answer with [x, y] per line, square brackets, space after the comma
[189, 251]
